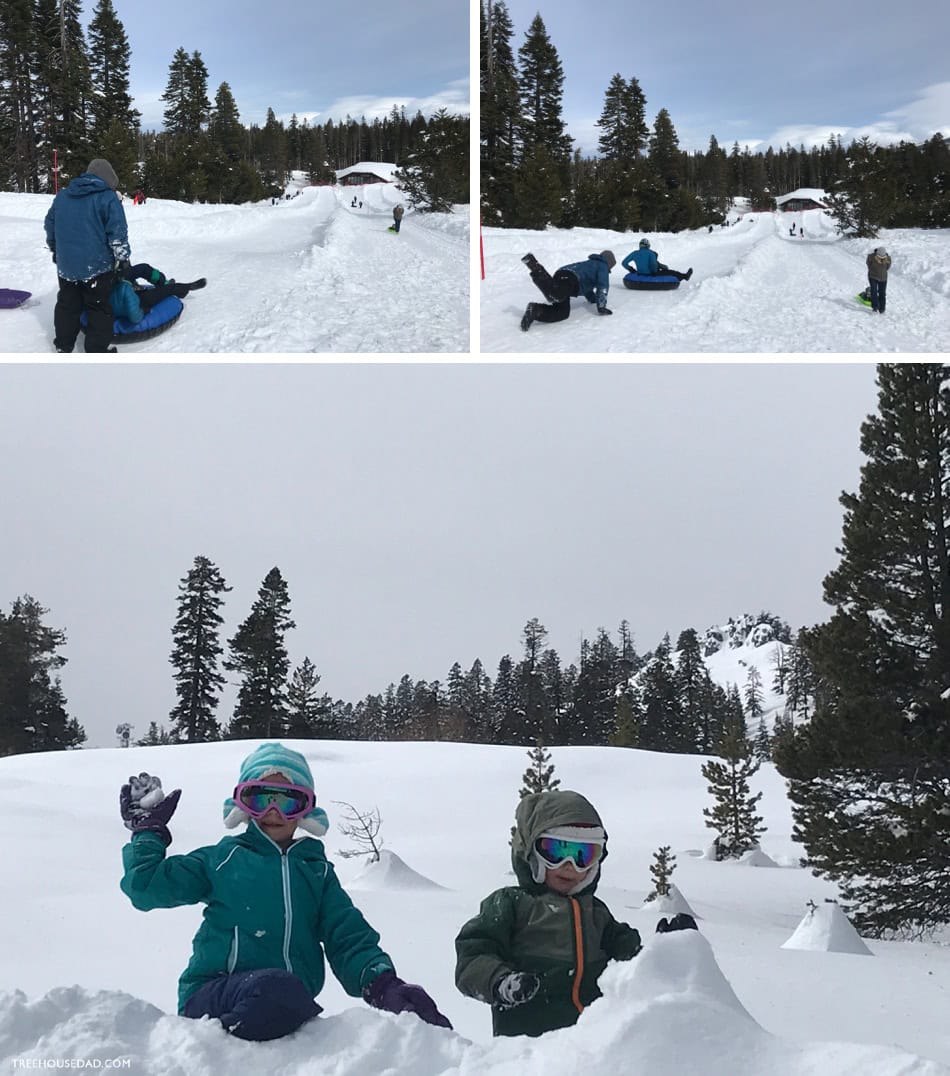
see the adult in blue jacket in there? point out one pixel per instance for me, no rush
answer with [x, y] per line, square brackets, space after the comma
[275, 911]
[590, 278]
[646, 263]
[87, 232]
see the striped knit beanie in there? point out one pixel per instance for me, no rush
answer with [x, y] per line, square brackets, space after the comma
[275, 758]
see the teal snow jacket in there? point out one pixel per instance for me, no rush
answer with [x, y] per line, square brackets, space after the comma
[264, 908]
[645, 262]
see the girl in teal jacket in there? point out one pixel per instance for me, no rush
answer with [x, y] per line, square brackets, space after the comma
[274, 907]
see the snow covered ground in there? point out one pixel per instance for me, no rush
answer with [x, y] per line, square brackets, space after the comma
[84, 976]
[310, 274]
[755, 288]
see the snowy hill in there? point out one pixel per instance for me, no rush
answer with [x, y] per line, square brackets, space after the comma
[84, 975]
[309, 274]
[755, 288]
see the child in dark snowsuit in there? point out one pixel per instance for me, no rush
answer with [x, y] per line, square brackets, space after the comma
[273, 904]
[589, 278]
[536, 949]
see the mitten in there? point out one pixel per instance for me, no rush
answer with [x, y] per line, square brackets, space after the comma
[145, 807]
[682, 921]
[122, 267]
[515, 988]
[603, 310]
[391, 994]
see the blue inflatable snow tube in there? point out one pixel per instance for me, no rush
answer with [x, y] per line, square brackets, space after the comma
[657, 282]
[162, 315]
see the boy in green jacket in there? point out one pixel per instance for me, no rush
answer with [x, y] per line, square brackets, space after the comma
[273, 904]
[535, 950]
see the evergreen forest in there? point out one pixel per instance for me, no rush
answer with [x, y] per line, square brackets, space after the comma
[642, 180]
[65, 99]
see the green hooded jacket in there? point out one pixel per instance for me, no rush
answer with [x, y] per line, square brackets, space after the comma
[264, 908]
[565, 940]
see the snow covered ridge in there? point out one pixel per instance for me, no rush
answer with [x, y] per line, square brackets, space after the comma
[750, 629]
[85, 976]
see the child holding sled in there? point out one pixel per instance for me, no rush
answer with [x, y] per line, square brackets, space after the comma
[273, 904]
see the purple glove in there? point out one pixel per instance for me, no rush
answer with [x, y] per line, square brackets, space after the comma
[145, 808]
[389, 993]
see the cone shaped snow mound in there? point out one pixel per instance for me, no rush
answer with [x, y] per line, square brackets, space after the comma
[826, 929]
[390, 872]
[671, 904]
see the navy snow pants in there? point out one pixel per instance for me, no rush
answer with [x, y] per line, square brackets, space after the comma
[878, 294]
[256, 1005]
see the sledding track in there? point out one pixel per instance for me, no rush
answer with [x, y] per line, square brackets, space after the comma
[310, 274]
[755, 288]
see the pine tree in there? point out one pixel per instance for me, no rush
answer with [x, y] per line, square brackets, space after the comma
[195, 654]
[157, 736]
[63, 88]
[435, 175]
[499, 113]
[733, 816]
[627, 731]
[763, 742]
[869, 776]
[258, 653]
[753, 693]
[660, 728]
[33, 713]
[19, 165]
[623, 121]
[539, 776]
[506, 715]
[115, 122]
[529, 682]
[662, 867]
[309, 715]
[689, 680]
[545, 147]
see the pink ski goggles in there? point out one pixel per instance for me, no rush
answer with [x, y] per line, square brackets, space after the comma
[290, 801]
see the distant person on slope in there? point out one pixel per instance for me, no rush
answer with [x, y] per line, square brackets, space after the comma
[536, 949]
[589, 278]
[273, 904]
[397, 219]
[878, 261]
[87, 232]
[646, 263]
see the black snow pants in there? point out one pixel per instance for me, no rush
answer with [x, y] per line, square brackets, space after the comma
[93, 296]
[558, 290]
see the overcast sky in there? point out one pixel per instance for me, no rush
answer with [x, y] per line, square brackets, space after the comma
[420, 514]
[322, 61]
[756, 73]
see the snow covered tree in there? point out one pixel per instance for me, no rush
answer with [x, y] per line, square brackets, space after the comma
[435, 175]
[661, 720]
[869, 773]
[754, 697]
[662, 867]
[33, 713]
[539, 776]
[195, 654]
[733, 815]
[258, 653]
[763, 742]
[688, 680]
[19, 156]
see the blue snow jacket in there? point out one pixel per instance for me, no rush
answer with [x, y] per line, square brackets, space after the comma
[593, 276]
[645, 260]
[86, 229]
[264, 908]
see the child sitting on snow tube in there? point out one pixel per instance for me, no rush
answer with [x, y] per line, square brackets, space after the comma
[133, 302]
[646, 263]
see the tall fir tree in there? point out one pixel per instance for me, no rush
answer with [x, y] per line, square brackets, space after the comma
[19, 157]
[195, 654]
[499, 118]
[115, 123]
[435, 175]
[733, 815]
[259, 654]
[309, 713]
[623, 120]
[869, 773]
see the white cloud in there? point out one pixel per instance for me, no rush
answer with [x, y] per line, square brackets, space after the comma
[454, 97]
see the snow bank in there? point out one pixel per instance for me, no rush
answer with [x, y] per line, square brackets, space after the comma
[390, 872]
[826, 929]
